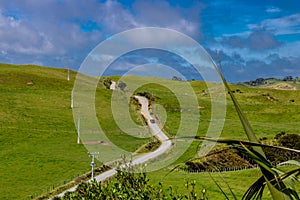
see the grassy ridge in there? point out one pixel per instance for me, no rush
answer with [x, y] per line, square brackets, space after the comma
[38, 138]
[36, 130]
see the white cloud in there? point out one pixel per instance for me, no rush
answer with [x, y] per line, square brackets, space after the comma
[279, 26]
[272, 9]
[35, 31]
[289, 49]
[115, 17]
[54, 27]
[286, 50]
[30, 32]
[20, 36]
[162, 14]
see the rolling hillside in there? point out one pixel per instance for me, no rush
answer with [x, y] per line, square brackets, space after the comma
[38, 138]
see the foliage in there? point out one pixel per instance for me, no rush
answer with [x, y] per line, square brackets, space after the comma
[135, 108]
[225, 158]
[279, 188]
[150, 146]
[290, 141]
[286, 140]
[106, 82]
[75, 181]
[129, 185]
[149, 96]
[176, 78]
[270, 176]
[283, 185]
[229, 157]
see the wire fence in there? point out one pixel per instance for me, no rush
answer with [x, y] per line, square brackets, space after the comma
[53, 187]
[227, 169]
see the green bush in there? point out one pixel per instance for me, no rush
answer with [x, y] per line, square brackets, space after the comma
[286, 140]
[130, 185]
[106, 82]
[290, 140]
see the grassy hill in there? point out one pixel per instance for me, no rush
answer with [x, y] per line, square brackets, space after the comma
[38, 137]
[287, 83]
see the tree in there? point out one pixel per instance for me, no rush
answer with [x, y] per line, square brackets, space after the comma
[288, 78]
[107, 82]
[176, 78]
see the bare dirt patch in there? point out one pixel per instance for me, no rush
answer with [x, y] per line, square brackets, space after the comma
[97, 143]
[282, 86]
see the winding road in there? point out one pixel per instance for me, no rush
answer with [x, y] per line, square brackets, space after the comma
[166, 144]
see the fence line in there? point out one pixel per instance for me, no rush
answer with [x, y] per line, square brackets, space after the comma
[52, 187]
[227, 169]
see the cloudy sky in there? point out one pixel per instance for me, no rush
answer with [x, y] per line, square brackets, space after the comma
[255, 38]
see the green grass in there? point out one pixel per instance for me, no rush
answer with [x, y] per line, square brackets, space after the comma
[37, 132]
[239, 182]
[267, 117]
[204, 181]
[127, 142]
[38, 137]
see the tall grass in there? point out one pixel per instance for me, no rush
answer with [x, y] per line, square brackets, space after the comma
[272, 177]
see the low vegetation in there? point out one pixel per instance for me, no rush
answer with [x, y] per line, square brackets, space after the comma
[129, 185]
[228, 157]
[150, 146]
[222, 159]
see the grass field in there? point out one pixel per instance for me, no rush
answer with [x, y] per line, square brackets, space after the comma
[238, 181]
[38, 136]
[269, 111]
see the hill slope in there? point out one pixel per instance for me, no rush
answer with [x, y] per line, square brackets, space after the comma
[38, 138]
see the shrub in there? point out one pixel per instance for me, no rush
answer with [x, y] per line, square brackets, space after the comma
[106, 82]
[290, 141]
[219, 160]
[286, 140]
[129, 185]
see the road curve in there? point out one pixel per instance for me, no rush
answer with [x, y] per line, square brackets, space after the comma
[166, 144]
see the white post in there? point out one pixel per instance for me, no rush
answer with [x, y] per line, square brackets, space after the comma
[78, 131]
[93, 165]
[72, 102]
[93, 162]
[68, 74]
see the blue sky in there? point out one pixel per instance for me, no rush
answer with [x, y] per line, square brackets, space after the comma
[255, 38]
